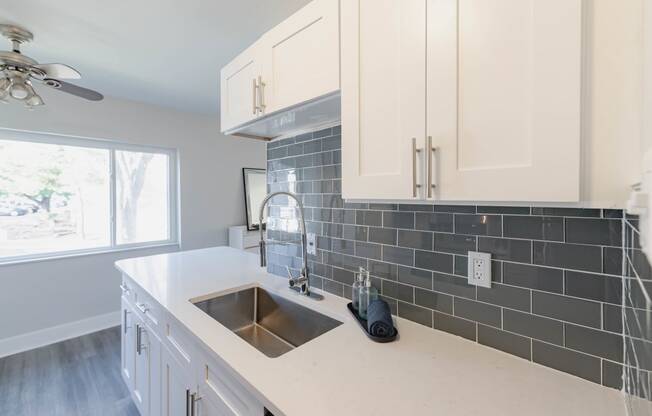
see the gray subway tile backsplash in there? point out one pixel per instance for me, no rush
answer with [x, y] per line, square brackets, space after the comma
[557, 292]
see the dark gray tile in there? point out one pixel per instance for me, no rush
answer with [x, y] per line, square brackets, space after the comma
[332, 172]
[612, 213]
[368, 250]
[295, 149]
[612, 260]
[416, 314]
[333, 287]
[323, 133]
[332, 143]
[384, 207]
[277, 153]
[594, 231]
[612, 318]
[504, 210]
[535, 228]
[433, 300]
[312, 146]
[393, 304]
[434, 222]
[398, 219]
[383, 270]
[504, 341]
[454, 243]
[533, 277]
[322, 214]
[464, 209]
[342, 246]
[421, 240]
[594, 286]
[640, 351]
[569, 256]
[383, 235]
[278, 143]
[343, 276]
[639, 322]
[398, 291]
[334, 201]
[479, 312]
[568, 361]
[373, 218]
[352, 232]
[567, 212]
[594, 342]
[567, 309]
[415, 277]
[415, 207]
[437, 262]
[398, 255]
[303, 137]
[507, 296]
[533, 326]
[321, 270]
[344, 261]
[322, 159]
[453, 286]
[479, 225]
[506, 249]
[454, 325]
[638, 382]
[344, 216]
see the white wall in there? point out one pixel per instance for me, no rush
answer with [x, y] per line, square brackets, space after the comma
[39, 295]
[647, 76]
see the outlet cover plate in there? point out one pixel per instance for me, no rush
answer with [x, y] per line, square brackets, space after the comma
[479, 269]
[312, 244]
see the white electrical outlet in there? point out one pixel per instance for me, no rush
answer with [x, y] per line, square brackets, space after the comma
[479, 269]
[312, 245]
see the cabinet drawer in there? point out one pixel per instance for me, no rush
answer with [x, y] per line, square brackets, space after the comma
[127, 288]
[219, 383]
[180, 343]
[147, 308]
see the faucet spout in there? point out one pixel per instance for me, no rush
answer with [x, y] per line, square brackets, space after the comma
[301, 283]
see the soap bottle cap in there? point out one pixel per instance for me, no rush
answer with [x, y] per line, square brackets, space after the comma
[360, 276]
[367, 280]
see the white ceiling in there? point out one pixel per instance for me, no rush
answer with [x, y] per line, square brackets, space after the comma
[165, 52]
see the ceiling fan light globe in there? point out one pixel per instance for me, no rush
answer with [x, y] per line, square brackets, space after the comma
[34, 101]
[19, 91]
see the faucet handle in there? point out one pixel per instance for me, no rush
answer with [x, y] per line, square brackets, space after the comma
[296, 281]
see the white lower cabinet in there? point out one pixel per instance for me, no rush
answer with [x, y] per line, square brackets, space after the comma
[168, 372]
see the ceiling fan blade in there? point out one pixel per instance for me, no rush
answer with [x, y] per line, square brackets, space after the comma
[58, 71]
[74, 90]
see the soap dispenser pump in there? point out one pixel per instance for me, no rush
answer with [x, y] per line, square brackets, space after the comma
[368, 294]
[358, 283]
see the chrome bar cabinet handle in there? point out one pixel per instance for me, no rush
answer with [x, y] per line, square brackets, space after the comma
[415, 151]
[139, 348]
[261, 94]
[254, 99]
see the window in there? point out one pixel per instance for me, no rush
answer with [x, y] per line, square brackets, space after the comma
[63, 196]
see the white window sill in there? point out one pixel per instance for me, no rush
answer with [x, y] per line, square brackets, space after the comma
[82, 253]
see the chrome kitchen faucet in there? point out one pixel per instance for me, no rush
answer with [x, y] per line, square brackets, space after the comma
[302, 283]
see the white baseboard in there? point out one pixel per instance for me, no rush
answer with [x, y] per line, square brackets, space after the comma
[47, 336]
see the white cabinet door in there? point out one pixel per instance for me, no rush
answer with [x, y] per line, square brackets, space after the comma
[504, 99]
[383, 98]
[238, 83]
[128, 345]
[146, 391]
[302, 56]
[177, 385]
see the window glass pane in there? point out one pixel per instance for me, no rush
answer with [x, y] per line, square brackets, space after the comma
[141, 197]
[52, 198]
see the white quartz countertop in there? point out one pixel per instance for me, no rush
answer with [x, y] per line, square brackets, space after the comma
[342, 372]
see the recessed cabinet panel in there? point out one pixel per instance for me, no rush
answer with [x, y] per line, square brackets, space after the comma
[504, 99]
[383, 97]
[302, 56]
[239, 89]
[176, 385]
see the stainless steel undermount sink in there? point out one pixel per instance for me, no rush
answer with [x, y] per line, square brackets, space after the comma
[272, 324]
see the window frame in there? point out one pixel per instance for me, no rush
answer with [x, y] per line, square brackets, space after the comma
[111, 146]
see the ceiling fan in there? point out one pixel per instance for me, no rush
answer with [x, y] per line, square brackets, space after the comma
[17, 73]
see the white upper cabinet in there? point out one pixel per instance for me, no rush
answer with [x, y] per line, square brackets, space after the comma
[461, 100]
[383, 97]
[301, 56]
[288, 80]
[504, 81]
[239, 89]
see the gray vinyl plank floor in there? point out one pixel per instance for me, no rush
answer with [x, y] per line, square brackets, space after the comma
[80, 376]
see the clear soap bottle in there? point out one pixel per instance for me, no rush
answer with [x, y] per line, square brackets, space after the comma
[358, 283]
[368, 294]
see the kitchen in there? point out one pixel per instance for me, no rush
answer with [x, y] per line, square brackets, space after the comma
[348, 200]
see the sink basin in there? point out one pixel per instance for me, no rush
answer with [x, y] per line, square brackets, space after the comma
[270, 323]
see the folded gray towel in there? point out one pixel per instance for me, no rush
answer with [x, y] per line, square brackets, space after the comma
[379, 319]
